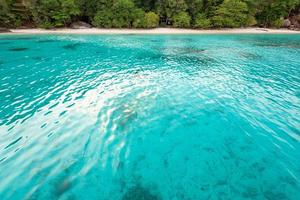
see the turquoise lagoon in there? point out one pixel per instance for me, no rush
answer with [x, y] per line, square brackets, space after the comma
[140, 117]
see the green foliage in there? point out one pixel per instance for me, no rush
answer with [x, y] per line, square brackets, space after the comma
[144, 20]
[7, 18]
[194, 8]
[146, 5]
[181, 20]
[122, 13]
[150, 13]
[269, 11]
[138, 17]
[251, 21]
[231, 13]
[151, 20]
[167, 9]
[53, 13]
[278, 23]
[5, 15]
[103, 19]
[202, 21]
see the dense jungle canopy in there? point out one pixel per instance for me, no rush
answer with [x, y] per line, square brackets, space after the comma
[148, 13]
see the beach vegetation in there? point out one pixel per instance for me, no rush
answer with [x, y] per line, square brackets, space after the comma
[182, 20]
[202, 21]
[53, 13]
[7, 17]
[151, 20]
[150, 13]
[231, 14]
[138, 18]
[103, 19]
[277, 23]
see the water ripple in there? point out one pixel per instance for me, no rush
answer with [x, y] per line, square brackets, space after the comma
[150, 117]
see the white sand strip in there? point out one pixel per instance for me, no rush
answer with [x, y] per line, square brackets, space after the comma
[153, 31]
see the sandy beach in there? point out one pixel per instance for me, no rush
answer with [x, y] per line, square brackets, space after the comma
[152, 31]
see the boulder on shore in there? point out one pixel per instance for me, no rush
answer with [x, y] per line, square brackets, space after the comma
[4, 30]
[80, 25]
[295, 22]
[286, 23]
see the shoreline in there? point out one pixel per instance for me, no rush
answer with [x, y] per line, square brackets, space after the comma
[171, 31]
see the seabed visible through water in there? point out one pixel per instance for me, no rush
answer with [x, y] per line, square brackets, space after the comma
[181, 117]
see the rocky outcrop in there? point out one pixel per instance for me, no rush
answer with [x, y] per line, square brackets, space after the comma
[292, 23]
[4, 30]
[80, 25]
[287, 23]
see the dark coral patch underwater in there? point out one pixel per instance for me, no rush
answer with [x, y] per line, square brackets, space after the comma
[139, 193]
[71, 46]
[19, 49]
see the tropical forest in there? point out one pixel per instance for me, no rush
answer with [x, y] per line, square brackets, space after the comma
[201, 14]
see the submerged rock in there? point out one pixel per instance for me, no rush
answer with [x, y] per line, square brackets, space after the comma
[295, 22]
[62, 187]
[16, 38]
[139, 193]
[71, 46]
[128, 116]
[4, 30]
[45, 41]
[286, 23]
[18, 49]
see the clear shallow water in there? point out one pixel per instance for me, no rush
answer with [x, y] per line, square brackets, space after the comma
[150, 117]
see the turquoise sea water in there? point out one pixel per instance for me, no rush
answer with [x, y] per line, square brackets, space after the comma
[150, 117]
